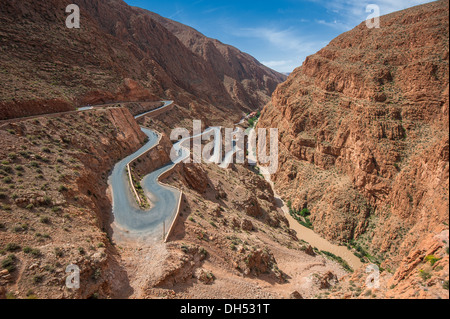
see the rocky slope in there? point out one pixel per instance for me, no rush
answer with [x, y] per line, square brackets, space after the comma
[364, 141]
[53, 205]
[119, 54]
[230, 241]
[246, 80]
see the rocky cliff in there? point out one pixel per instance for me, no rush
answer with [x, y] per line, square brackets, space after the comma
[54, 209]
[120, 53]
[364, 135]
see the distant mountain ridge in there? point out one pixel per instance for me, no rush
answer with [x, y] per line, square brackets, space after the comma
[122, 53]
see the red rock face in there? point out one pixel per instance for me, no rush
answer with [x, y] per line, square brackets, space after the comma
[364, 133]
[120, 53]
[246, 80]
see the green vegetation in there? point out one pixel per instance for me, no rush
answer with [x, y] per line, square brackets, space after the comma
[7, 180]
[36, 253]
[425, 275]
[432, 259]
[12, 247]
[45, 220]
[338, 259]
[38, 279]
[253, 120]
[140, 191]
[58, 252]
[9, 263]
[302, 217]
[185, 248]
[97, 274]
[34, 164]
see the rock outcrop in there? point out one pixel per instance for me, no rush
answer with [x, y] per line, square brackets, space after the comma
[364, 130]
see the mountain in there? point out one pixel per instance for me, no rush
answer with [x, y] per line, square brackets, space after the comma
[120, 53]
[246, 79]
[364, 144]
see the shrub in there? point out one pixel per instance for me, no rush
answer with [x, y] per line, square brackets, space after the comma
[58, 252]
[19, 168]
[185, 249]
[45, 220]
[62, 188]
[97, 274]
[26, 250]
[6, 168]
[432, 259]
[9, 263]
[35, 252]
[47, 200]
[305, 212]
[7, 180]
[34, 164]
[341, 261]
[56, 209]
[24, 154]
[425, 275]
[17, 229]
[38, 279]
[12, 247]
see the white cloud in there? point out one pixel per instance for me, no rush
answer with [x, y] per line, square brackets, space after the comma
[294, 47]
[354, 11]
[285, 39]
[282, 65]
[273, 64]
[335, 25]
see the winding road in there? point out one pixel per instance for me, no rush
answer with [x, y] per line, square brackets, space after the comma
[128, 216]
[138, 223]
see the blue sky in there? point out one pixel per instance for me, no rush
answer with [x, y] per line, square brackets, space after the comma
[279, 33]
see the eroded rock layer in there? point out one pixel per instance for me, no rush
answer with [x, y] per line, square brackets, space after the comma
[364, 135]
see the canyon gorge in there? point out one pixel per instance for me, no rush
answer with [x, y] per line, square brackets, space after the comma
[363, 159]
